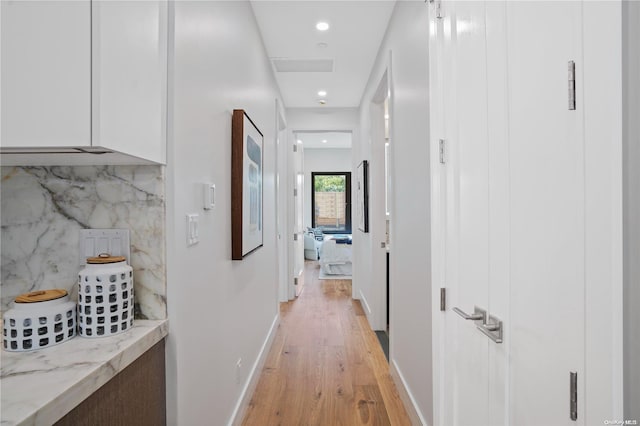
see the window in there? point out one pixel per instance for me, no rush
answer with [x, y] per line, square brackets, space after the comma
[331, 202]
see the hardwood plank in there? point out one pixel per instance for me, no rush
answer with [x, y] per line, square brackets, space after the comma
[370, 406]
[326, 366]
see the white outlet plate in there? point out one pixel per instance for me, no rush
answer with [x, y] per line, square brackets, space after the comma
[96, 241]
[192, 229]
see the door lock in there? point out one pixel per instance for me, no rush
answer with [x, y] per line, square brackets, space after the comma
[492, 329]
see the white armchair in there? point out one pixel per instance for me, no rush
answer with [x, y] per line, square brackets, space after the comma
[311, 247]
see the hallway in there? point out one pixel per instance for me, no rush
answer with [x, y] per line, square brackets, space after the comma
[326, 365]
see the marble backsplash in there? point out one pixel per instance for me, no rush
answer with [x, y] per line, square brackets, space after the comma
[44, 208]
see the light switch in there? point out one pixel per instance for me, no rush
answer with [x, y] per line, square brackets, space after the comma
[96, 241]
[192, 229]
[209, 195]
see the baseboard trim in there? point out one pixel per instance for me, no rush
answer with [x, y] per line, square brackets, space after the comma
[405, 395]
[252, 381]
[366, 305]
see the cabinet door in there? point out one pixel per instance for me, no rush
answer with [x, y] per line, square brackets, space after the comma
[46, 60]
[130, 77]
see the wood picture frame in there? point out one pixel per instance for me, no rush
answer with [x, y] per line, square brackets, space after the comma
[247, 164]
[362, 196]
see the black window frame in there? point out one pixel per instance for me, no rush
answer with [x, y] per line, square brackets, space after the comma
[347, 224]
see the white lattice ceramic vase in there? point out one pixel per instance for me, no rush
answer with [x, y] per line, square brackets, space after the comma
[38, 320]
[105, 296]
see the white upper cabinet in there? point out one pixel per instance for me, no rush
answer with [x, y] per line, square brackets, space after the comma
[46, 74]
[129, 84]
[84, 76]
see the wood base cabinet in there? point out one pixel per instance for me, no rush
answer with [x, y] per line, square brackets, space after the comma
[136, 396]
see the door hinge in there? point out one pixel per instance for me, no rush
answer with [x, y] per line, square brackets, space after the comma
[295, 192]
[295, 148]
[573, 395]
[295, 237]
[572, 85]
[443, 299]
[442, 148]
[295, 280]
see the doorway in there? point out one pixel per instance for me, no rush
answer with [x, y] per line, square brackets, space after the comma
[323, 163]
[380, 206]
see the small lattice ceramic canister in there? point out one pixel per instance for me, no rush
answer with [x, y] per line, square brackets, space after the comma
[105, 296]
[38, 320]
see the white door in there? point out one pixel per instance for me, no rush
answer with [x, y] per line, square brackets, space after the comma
[467, 204]
[282, 149]
[377, 213]
[547, 205]
[299, 251]
[513, 183]
[297, 208]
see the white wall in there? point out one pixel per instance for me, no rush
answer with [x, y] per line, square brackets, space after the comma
[322, 160]
[312, 119]
[220, 310]
[410, 269]
[631, 137]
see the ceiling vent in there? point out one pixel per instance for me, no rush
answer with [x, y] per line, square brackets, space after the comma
[303, 65]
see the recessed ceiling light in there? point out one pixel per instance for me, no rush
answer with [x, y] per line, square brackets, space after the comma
[322, 93]
[322, 101]
[322, 26]
[322, 45]
[324, 141]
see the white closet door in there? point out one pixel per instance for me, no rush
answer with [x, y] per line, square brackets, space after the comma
[499, 211]
[547, 206]
[468, 208]
[515, 211]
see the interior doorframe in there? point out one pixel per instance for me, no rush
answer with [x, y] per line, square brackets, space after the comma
[438, 220]
[281, 180]
[354, 131]
[378, 204]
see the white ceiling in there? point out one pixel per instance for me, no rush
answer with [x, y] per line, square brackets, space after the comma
[315, 140]
[356, 30]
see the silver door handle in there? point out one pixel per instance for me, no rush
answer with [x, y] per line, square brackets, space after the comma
[475, 316]
[492, 329]
[478, 316]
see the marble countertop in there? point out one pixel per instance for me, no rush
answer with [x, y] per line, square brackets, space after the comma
[40, 387]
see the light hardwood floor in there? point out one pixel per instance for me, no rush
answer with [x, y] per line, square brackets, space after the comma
[326, 366]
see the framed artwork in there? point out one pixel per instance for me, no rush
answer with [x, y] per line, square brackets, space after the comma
[362, 196]
[247, 143]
